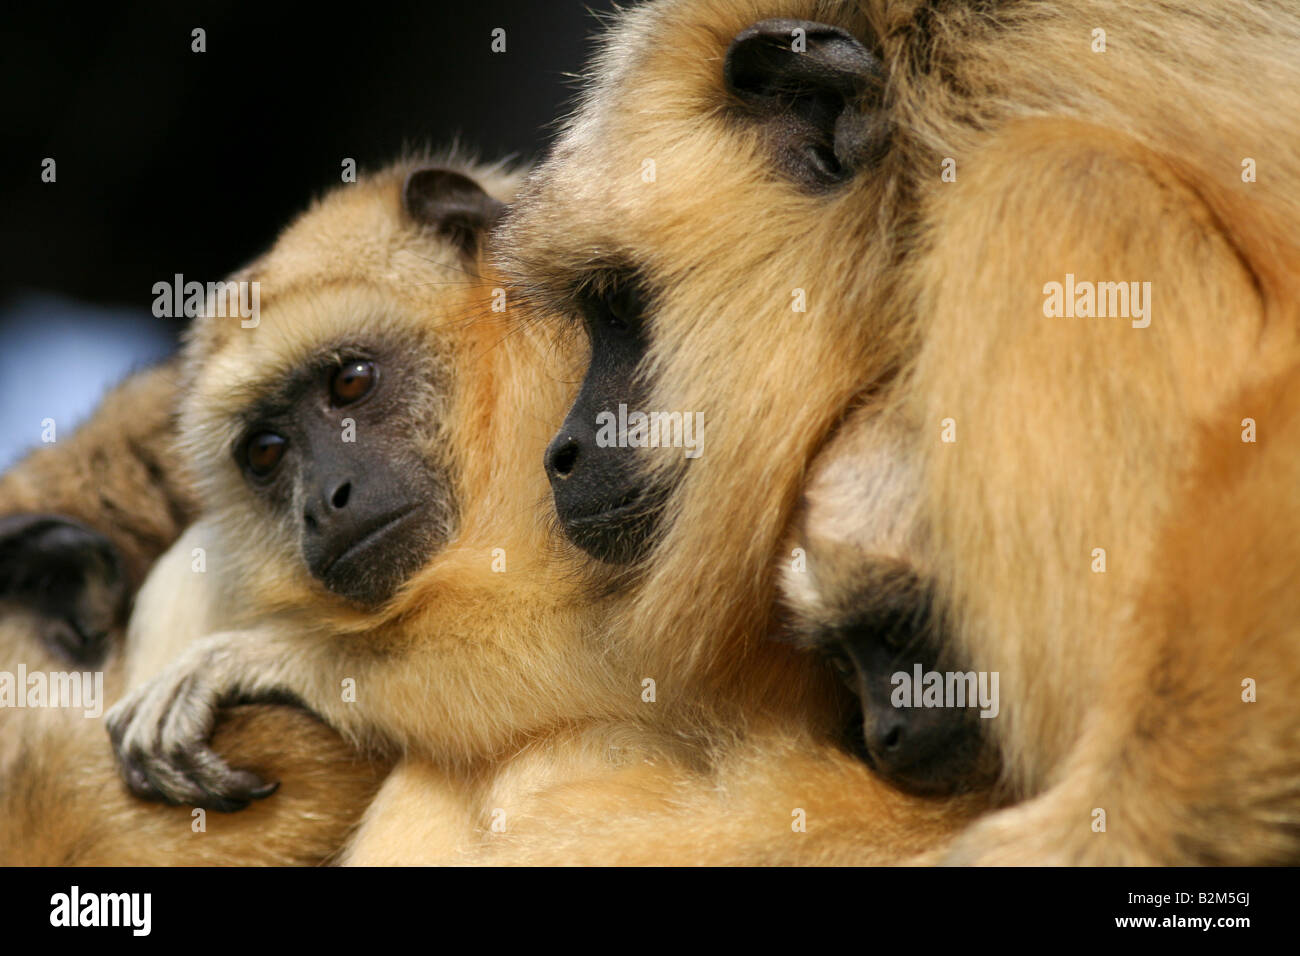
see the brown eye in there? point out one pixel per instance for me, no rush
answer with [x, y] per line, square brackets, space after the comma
[623, 309]
[263, 452]
[351, 382]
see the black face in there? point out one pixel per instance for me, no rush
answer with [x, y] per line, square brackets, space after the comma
[335, 453]
[603, 497]
[927, 750]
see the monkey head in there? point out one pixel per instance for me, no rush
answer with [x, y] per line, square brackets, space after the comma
[315, 427]
[856, 592]
[697, 220]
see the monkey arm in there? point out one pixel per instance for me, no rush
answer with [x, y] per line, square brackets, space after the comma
[1051, 400]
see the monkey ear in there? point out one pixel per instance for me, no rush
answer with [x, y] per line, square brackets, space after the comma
[452, 203]
[817, 92]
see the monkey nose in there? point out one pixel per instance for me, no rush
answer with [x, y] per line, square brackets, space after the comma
[334, 498]
[561, 457]
[338, 499]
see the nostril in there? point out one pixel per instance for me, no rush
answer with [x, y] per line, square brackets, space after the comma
[309, 520]
[893, 738]
[564, 458]
[341, 494]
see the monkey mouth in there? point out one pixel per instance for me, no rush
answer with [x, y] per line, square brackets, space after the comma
[378, 529]
[370, 568]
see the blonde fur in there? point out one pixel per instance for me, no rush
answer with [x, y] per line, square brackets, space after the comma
[61, 800]
[1073, 434]
[504, 691]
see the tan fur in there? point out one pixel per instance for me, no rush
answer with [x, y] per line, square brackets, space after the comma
[1072, 433]
[63, 805]
[1184, 767]
[570, 801]
[1052, 414]
[504, 689]
[1075, 434]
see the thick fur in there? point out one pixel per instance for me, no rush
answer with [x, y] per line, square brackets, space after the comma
[607, 796]
[1184, 767]
[503, 689]
[61, 799]
[62, 804]
[1076, 435]
[1072, 434]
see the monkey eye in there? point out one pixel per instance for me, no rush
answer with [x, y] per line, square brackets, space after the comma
[352, 381]
[623, 309]
[263, 452]
[841, 664]
[895, 638]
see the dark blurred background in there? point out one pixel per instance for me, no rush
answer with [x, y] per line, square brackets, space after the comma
[170, 161]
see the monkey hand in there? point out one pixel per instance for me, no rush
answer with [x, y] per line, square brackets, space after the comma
[70, 575]
[161, 733]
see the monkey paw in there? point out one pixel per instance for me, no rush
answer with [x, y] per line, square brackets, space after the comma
[68, 574]
[161, 732]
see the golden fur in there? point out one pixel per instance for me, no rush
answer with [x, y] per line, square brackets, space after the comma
[1095, 425]
[504, 690]
[1072, 434]
[1188, 763]
[61, 802]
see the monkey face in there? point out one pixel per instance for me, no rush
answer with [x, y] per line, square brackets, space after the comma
[318, 430]
[648, 226]
[334, 453]
[874, 623]
[883, 653]
[605, 499]
[860, 598]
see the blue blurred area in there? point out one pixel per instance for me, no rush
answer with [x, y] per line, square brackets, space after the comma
[58, 357]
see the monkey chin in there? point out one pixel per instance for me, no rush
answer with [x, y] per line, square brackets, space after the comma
[368, 570]
[624, 534]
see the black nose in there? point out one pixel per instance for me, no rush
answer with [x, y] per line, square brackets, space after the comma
[910, 746]
[340, 495]
[561, 457]
[902, 745]
[887, 739]
[334, 498]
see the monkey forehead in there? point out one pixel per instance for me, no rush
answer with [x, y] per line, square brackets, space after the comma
[359, 233]
[294, 328]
